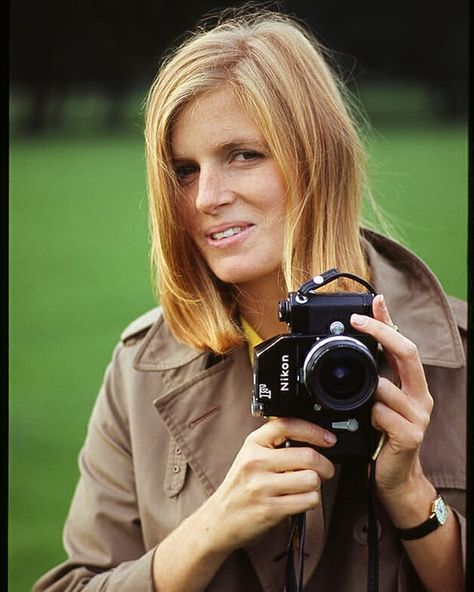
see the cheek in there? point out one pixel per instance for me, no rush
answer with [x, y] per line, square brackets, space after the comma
[275, 190]
[186, 216]
[275, 213]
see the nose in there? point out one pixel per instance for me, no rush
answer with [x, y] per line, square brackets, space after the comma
[213, 191]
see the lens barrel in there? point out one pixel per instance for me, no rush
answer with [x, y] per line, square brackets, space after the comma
[340, 372]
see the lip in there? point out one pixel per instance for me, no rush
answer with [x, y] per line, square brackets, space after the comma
[230, 240]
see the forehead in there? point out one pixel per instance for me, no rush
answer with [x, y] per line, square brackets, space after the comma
[214, 118]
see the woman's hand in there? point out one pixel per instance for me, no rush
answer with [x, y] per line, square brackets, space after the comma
[267, 482]
[402, 410]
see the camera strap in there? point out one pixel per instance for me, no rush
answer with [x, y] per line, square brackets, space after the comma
[330, 275]
[295, 551]
[372, 535]
[295, 554]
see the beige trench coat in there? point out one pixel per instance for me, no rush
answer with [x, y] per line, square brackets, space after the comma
[169, 421]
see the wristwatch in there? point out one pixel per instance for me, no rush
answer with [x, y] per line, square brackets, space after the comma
[438, 516]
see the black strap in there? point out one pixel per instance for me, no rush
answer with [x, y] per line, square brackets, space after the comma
[329, 276]
[295, 554]
[373, 535]
[295, 551]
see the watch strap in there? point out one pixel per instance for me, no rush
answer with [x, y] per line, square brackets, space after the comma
[418, 532]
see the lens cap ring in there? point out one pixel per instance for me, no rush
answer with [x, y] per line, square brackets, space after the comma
[340, 372]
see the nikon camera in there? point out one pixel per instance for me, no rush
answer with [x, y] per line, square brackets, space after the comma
[323, 370]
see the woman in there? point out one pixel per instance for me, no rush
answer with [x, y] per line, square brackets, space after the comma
[256, 174]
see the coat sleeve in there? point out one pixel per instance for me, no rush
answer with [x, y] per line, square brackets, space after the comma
[102, 534]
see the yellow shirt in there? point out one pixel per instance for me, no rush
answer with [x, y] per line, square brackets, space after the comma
[252, 337]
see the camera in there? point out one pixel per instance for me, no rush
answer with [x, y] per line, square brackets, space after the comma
[323, 370]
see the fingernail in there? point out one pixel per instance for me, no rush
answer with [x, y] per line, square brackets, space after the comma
[329, 438]
[358, 320]
[382, 302]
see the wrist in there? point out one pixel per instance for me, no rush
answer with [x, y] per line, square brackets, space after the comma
[410, 504]
[211, 530]
[189, 557]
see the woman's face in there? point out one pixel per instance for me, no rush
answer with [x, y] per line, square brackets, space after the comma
[233, 191]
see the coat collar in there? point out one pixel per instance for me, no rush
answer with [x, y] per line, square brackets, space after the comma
[416, 301]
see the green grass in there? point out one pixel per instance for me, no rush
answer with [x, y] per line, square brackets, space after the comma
[419, 178]
[79, 273]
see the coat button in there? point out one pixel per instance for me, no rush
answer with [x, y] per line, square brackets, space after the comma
[176, 469]
[361, 530]
[178, 451]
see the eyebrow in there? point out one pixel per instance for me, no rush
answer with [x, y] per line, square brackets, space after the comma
[237, 142]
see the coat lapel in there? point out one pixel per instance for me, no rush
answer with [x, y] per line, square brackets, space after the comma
[208, 416]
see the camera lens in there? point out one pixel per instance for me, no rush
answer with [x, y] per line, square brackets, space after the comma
[341, 372]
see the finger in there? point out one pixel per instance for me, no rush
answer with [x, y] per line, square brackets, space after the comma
[402, 349]
[288, 505]
[403, 435]
[293, 482]
[380, 311]
[393, 397]
[276, 432]
[301, 458]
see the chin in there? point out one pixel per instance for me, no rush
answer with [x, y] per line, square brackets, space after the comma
[237, 277]
[243, 276]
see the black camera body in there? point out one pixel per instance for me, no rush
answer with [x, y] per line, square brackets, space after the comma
[323, 370]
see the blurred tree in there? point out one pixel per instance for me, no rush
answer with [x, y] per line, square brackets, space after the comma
[39, 56]
[410, 42]
[63, 46]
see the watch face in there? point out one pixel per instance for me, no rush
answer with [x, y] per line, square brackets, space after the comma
[441, 510]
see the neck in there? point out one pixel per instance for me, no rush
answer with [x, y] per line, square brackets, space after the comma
[258, 304]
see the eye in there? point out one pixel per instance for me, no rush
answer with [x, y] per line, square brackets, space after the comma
[246, 155]
[184, 172]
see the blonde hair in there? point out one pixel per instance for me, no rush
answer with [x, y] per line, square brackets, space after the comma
[280, 75]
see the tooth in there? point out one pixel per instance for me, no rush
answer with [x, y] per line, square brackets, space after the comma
[227, 233]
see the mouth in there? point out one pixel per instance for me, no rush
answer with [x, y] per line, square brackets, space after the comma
[228, 232]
